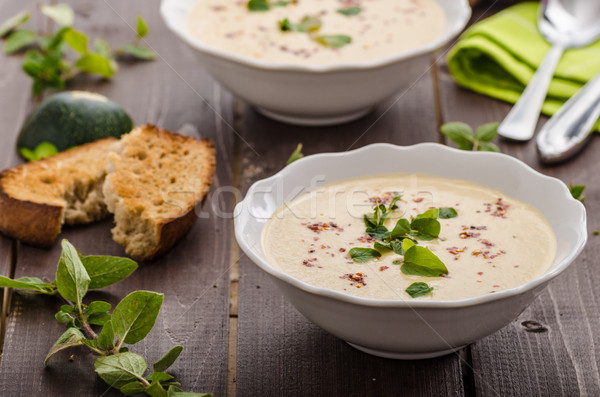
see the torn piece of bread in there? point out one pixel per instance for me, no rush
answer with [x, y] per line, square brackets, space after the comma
[151, 179]
[154, 181]
[37, 198]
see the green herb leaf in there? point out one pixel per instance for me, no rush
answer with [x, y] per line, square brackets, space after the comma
[402, 227]
[54, 41]
[459, 133]
[258, 5]
[14, 21]
[44, 149]
[433, 213]
[577, 192]
[106, 337]
[156, 390]
[418, 289]
[132, 388]
[176, 392]
[63, 317]
[363, 254]
[393, 205]
[160, 377]
[307, 24]
[93, 63]
[135, 315]
[61, 13]
[407, 244]
[420, 261]
[447, 213]
[27, 283]
[71, 337]
[98, 318]
[18, 40]
[350, 11]
[77, 40]
[378, 232]
[282, 3]
[426, 228]
[141, 27]
[107, 270]
[296, 155]
[103, 48]
[487, 132]
[382, 246]
[138, 51]
[397, 247]
[72, 279]
[334, 40]
[68, 309]
[97, 307]
[488, 147]
[168, 359]
[120, 369]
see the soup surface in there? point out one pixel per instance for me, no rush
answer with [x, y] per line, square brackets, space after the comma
[492, 243]
[372, 29]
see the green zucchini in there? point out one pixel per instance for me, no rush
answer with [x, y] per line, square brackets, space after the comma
[69, 119]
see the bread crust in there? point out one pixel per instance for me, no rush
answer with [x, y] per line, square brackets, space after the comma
[33, 223]
[172, 230]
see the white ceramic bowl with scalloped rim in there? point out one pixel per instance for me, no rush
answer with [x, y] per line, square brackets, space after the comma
[314, 94]
[412, 329]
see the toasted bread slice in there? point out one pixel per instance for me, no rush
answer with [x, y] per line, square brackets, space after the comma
[155, 180]
[37, 198]
[151, 179]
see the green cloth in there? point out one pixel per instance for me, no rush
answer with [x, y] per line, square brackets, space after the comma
[499, 55]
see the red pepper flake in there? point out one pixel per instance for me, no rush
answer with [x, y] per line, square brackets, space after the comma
[382, 268]
[418, 199]
[486, 242]
[311, 251]
[321, 226]
[323, 247]
[480, 273]
[356, 279]
[455, 250]
[366, 239]
[496, 286]
[500, 208]
[476, 252]
[309, 262]
[315, 238]
[342, 249]
[465, 235]
[385, 198]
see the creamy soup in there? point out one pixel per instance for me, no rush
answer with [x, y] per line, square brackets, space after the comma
[370, 29]
[492, 243]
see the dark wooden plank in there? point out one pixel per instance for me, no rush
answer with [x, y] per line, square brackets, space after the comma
[14, 103]
[279, 351]
[562, 360]
[193, 276]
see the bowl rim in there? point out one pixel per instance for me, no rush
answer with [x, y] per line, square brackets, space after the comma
[456, 26]
[242, 206]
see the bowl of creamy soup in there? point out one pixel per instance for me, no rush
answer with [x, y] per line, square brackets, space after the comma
[410, 252]
[316, 62]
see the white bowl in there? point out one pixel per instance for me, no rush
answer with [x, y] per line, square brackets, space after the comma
[421, 328]
[312, 94]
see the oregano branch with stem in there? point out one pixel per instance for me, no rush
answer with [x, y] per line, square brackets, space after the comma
[129, 323]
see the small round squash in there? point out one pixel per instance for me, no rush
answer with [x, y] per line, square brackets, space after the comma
[70, 119]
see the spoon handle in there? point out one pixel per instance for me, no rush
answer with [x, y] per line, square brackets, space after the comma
[566, 132]
[520, 122]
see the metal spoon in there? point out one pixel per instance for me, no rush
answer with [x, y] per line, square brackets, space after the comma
[566, 132]
[564, 24]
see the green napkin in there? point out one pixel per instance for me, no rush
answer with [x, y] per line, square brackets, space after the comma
[499, 55]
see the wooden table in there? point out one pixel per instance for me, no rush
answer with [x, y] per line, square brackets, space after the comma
[240, 335]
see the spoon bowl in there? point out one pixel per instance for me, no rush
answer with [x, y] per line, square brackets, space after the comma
[564, 24]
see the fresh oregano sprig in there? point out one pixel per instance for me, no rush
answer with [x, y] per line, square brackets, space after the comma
[577, 192]
[480, 140]
[403, 240]
[129, 323]
[46, 60]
